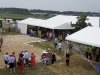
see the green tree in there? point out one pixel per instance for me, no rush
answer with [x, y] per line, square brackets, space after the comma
[81, 22]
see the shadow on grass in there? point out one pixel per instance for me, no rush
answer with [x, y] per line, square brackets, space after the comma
[36, 70]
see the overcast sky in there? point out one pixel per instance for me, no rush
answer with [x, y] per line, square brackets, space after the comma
[57, 5]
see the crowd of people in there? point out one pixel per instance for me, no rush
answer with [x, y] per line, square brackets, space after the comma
[22, 62]
[93, 52]
[48, 57]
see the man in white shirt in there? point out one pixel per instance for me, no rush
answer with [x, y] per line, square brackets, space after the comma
[67, 42]
[6, 60]
[59, 46]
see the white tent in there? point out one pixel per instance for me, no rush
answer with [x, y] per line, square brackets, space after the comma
[64, 22]
[88, 36]
[22, 25]
[59, 22]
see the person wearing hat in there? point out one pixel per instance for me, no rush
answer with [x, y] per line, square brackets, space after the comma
[44, 58]
[11, 61]
[49, 55]
[6, 56]
[33, 62]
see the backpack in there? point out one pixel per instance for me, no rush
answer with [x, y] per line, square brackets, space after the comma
[70, 45]
[19, 62]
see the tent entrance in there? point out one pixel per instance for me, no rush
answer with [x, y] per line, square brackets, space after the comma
[33, 28]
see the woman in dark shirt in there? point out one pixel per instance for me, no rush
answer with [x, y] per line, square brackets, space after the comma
[67, 58]
[53, 58]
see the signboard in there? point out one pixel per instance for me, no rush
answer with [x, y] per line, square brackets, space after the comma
[0, 23]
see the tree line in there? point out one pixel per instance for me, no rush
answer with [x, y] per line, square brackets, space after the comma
[46, 12]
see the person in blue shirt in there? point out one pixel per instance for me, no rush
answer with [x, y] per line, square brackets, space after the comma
[11, 61]
[26, 56]
[6, 56]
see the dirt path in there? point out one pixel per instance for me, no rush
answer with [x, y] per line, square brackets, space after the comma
[16, 43]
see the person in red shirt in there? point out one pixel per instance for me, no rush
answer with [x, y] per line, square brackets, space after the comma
[21, 67]
[33, 62]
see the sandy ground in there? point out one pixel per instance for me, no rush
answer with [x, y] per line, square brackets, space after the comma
[16, 43]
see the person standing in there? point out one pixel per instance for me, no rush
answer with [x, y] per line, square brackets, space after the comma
[13, 54]
[67, 42]
[53, 58]
[87, 51]
[70, 47]
[55, 42]
[1, 40]
[33, 62]
[26, 56]
[39, 33]
[97, 54]
[0, 44]
[67, 58]
[90, 52]
[11, 61]
[44, 58]
[21, 67]
[59, 46]
[6, 56]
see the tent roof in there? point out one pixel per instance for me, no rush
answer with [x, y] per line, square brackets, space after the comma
[58, 22]
[26, 21]
[64, 22]
[88, 36]
[32, 21]
[36, 22]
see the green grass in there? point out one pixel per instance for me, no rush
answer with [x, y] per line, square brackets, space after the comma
[37, 70]
[12, 31]
[22, 16]
[45, 45]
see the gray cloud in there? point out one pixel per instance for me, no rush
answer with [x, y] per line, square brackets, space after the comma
[58, 5]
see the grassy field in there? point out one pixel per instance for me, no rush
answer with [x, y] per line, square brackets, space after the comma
[37, 70]
[77, 66]
[22, 16]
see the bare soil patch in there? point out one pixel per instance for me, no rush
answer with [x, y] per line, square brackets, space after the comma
[15, 43]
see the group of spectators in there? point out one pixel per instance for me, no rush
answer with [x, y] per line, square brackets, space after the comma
[48, 57]
[93, 52]
[23, 58]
